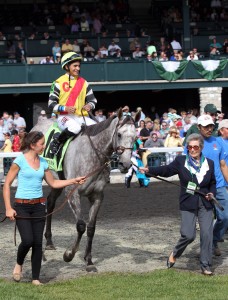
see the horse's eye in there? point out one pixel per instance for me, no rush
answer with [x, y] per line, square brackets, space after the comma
[119, 135]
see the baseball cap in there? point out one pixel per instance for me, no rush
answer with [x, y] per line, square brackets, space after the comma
[211, 108]
[16, 113]
[43, 112]
[205, 120]
[223, 124]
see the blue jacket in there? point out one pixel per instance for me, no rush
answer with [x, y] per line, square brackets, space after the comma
[188, 201]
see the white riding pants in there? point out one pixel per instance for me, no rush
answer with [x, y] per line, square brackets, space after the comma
[73, 123]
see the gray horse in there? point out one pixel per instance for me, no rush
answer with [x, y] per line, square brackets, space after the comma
[85, 154]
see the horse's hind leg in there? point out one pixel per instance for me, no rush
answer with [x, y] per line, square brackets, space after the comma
[95, 201]
[51, 199]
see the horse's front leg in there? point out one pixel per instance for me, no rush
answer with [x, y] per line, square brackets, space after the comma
[51, 199]
[75, 205]
[95, 201]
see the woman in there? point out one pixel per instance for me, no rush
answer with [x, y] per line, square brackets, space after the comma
[29, 203]
[56, 49]
[195, 172]
[141, 126]
[173, 140]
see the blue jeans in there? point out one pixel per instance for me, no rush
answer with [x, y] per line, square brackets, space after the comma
[221, 223]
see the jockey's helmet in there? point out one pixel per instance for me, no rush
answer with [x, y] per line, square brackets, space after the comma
[69, 57]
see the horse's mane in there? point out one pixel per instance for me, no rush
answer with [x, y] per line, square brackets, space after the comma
[94, 129]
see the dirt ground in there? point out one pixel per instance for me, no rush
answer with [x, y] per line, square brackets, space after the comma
[136, 230]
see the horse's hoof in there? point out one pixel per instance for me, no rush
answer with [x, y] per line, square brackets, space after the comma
[50, 247]
[91, 268]
[68, 256]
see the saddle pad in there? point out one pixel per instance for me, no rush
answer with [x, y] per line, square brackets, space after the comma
[55, 162]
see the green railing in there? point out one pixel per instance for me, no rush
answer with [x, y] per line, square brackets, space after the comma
[106, 75]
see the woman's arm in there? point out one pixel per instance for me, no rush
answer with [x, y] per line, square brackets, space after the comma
[10, 212]
[58, 184]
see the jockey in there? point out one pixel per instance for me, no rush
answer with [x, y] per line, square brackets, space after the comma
[69, 94]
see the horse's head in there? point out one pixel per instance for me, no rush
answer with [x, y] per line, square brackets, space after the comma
[126, 134]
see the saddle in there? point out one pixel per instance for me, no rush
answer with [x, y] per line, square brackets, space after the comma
[55, 162]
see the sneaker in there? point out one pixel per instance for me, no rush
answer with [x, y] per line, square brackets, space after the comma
[217, 251]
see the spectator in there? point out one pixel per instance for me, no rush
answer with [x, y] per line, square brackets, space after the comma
[19, 122]
[164, 129]
[152, 142]
[188, 123]
[8, 122]
[75, 27]
[2, 131]
[7, 147]
[112, 49]
[141, 126]
[142, 115]
[31, 61]
[2, 37]
[213, 150]
[97, 24]
[100, 115]
[88, 50]
[46, 36]
[66, 47]
[163, 56]
[145, 132]
[104, 51]
[16, 144]
[175, 45]
[20, 53]
[84, 24]
[138, 52]
[42, 116]
[192, 56]
[209, 109]
[172, 140]
[32, 36]
[46, 61]
[215, 45]
[56, 49]
[135, 43]
[76, 47]
[151, 49]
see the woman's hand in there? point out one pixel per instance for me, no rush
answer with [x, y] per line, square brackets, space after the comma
[11, 213]
[80, 180]
[209, 196]
[143, 170]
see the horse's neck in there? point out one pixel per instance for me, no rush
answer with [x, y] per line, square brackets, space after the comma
[104, 143]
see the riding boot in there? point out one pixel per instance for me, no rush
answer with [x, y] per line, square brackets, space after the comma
[60, 140]
[128, 181]
[141, 183]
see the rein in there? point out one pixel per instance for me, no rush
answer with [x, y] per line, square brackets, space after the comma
[213, 199]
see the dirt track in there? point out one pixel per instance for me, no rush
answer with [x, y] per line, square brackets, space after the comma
[136, 230]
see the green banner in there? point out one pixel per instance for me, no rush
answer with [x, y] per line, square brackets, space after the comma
[210, 69]
[170, 70]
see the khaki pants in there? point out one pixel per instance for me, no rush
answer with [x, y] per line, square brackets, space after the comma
[144, 157]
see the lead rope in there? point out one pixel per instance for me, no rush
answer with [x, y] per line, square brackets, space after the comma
[213, 199]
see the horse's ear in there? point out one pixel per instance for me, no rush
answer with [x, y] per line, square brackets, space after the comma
[120, 113]
[137, 116]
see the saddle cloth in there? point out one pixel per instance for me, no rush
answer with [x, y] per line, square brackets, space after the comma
[55, 162]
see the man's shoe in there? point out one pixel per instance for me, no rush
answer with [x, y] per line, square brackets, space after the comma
[217, 251]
